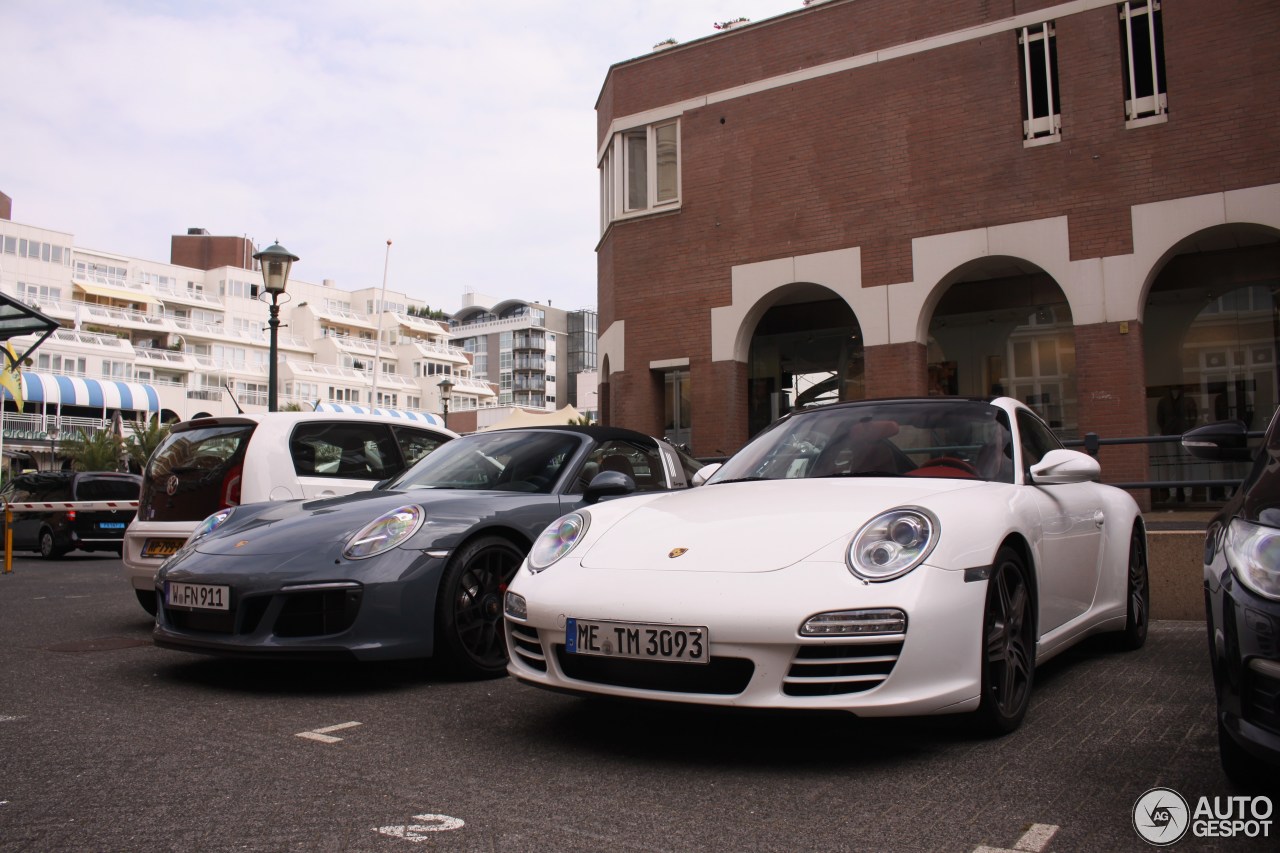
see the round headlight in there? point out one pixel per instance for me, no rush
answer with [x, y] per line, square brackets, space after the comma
[210, 524]
[385, 532]
[557, 540]
[892, 544]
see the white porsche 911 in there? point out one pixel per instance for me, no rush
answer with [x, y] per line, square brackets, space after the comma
[892, 557]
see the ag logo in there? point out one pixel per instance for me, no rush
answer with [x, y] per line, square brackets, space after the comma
[1161, 816]
[676, 552]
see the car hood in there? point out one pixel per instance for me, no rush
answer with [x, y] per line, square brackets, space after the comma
[753, 526]
[323, 527]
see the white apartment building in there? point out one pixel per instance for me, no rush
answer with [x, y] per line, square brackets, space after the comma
[150, 338]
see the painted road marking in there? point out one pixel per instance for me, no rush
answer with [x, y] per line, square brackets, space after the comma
[323, 736]
[1034, 840]
[419, 832]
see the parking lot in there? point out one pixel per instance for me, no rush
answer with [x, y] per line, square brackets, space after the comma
[109, 743]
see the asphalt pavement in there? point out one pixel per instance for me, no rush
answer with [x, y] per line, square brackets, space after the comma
[109, 743]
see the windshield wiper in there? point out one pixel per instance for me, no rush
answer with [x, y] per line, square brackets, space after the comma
[859, 474]
[738, 480]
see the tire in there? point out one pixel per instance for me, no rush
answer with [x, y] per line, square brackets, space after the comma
[147, 599]
[1138, 596]
[1008, 646]
[470, 641]
[49, 549]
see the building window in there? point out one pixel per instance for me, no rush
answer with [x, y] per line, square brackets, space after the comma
[1041, 119]
[640, 171]
[1142, 48]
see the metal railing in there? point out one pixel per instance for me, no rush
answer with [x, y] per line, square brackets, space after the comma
[1091, 443]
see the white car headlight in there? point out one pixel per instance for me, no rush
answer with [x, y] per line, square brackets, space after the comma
[893, 543]
[385, 532]
[1254, 551]
[210, 524]
[557, 540]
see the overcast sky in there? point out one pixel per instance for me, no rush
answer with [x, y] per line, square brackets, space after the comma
[463, 131]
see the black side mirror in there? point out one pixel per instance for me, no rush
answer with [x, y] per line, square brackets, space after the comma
[608, 484]
[1225, 441]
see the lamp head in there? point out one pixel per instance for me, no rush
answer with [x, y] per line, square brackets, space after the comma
[276, 262]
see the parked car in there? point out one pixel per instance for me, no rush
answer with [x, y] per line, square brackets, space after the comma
[1242, 602]
[208, 464]
[896, 557]
[414, 569]
[55, 531]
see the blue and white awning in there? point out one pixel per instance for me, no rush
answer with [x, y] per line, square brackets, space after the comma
[94, 393]
[421, 417]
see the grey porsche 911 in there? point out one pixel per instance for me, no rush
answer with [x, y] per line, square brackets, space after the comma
[415, 568]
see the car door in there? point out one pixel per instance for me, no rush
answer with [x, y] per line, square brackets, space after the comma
[1071, 521]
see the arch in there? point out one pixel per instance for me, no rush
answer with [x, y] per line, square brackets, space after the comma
[1001, 325]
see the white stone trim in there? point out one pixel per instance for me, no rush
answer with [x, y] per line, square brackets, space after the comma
[612, 344]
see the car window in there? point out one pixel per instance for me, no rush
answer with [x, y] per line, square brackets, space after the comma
[416, 443]
[351, 450]
[516, 461]
[1036, 439]
[642, 464]
[107, 489]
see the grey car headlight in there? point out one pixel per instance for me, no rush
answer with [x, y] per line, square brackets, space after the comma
[1254, 552]
[558, 539]
[892, 544]
[385, 532]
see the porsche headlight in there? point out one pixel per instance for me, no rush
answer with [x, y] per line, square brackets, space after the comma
[210, 524]
[557, 540]
[385, 532]
[1254, 552]
[893, 543]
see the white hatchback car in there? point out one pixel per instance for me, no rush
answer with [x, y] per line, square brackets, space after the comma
[207, 464]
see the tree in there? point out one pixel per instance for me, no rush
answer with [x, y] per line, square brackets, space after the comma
[144, 441]
[98, 451]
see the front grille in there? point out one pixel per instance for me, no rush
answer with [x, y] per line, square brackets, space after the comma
[1260, 700]
[721, 676]
[207, 621]
[833, 670]
[314, 614]
[526, 647]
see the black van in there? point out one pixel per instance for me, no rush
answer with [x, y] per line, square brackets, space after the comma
[54, 532]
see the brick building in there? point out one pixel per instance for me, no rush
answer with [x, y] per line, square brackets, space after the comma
[1075, 203]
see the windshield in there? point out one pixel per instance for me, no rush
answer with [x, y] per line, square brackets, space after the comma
[946, 437]
[517, 461]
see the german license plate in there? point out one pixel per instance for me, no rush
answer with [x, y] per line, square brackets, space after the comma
[197, 596]
[679, 643]
[161, 547]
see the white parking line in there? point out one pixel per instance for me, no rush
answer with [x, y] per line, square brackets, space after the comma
[323, 736]
[1034, 840]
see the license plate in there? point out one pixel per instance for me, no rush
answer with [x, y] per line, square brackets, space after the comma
[197, 596]
[111, 525]
[678, 643]
[161, 547]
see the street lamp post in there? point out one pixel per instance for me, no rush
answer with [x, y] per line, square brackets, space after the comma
[276, 262]
[446, 388]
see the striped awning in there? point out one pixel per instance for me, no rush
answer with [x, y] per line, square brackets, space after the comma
[421, 417]
[95, 393]
[121, 293]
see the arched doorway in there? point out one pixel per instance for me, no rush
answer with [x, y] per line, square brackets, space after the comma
[1211, 329]
[807, 348]
[1003, 326]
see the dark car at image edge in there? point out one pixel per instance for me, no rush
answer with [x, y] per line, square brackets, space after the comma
[54, 532]
[1242, 603]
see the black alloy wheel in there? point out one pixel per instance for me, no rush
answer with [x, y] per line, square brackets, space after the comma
[470, 637]
[1137, 594]
[1008, 646]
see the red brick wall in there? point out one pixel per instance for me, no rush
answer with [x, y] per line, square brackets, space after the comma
[897, 370]
[920, 145]
[206, 252]
[1111, 389]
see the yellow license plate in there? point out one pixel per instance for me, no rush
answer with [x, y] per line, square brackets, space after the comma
[161, 547]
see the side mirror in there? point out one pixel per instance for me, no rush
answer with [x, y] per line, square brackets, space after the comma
[1225, 441]
[704, 473]
[1059, 467]
[608, 484]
